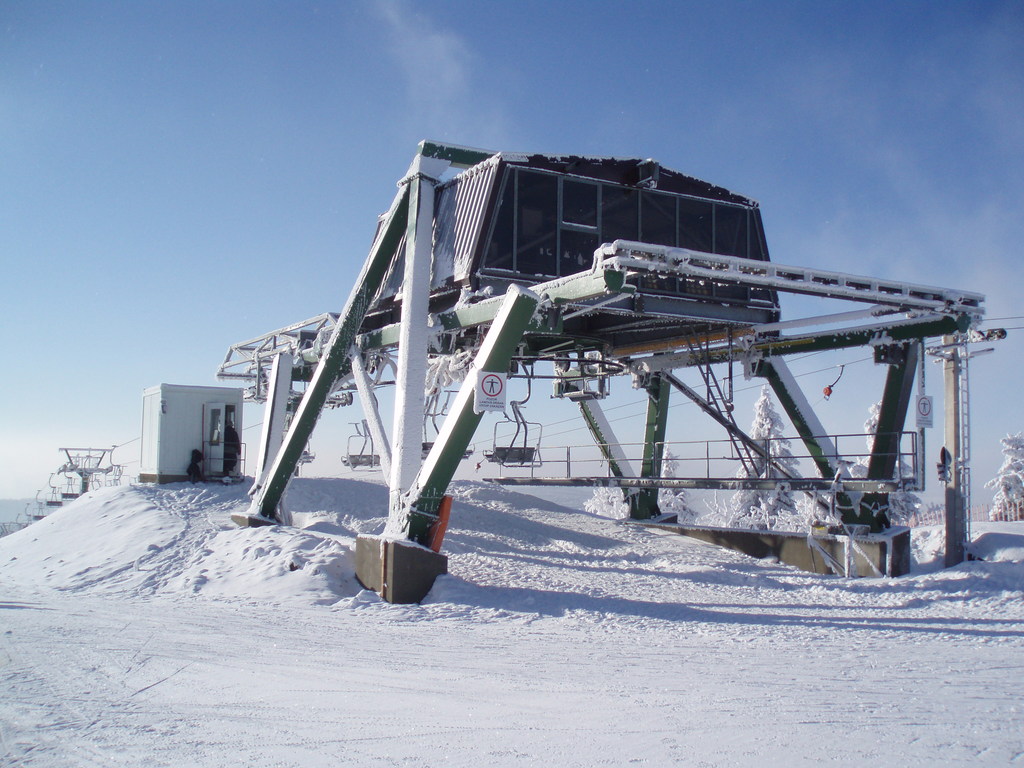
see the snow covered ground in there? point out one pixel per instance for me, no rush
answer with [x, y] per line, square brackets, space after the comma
[139, 627]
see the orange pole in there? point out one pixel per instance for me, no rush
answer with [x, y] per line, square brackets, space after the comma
[440, 526]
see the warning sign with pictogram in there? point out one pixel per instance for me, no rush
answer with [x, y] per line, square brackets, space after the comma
[490, 391]
[924, 411]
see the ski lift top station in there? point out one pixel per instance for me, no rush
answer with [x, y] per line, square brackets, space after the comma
[596, 267]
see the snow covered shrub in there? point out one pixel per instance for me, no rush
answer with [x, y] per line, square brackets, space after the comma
[1008, 503]
[607, 502]
[766, 509]
[674, 501]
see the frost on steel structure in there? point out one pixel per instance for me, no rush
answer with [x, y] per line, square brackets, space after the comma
[596, 266]
[251, 361]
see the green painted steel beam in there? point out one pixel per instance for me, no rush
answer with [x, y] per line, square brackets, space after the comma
[495, 355]
[883, 463]
[334, 363]
[857, 338]
[644, 505]
[459, 157]
[593, 417]
[564, 290]
[806, 424]
[892, 414]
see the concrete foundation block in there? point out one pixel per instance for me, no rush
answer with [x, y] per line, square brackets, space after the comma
[399, 571]
[830, 552]
[251, 521]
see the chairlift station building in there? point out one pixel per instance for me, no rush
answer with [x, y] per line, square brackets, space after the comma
[592, 268]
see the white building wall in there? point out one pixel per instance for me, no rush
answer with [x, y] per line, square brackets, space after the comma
[172, 426]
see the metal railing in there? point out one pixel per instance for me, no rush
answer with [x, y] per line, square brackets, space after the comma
[783, 459]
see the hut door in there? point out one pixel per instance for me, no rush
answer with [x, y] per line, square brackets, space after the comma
[213, 438]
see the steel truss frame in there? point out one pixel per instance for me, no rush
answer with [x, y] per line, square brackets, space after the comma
[529, 322]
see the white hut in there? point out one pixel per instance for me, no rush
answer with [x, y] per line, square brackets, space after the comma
[179, 419]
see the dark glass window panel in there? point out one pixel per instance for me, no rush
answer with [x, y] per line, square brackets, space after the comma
[619, 214]
[758, 244]
[730, 230]
[657, 218]
[538, 224]
[734, 294]
[695, 227]
[579, 203]
[577, 251]
[498, 254]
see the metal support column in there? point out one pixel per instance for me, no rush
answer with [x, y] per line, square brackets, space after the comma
[644, 504]
[892, 415]
[275, 415]
[604, 437]
[419, 510]
[412, 351]
[805, 421]
[956, 512]
[812, 432]
[367, 398]
[884, 461]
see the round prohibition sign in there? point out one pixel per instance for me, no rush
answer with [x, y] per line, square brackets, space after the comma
[924, 407]
[491, 385]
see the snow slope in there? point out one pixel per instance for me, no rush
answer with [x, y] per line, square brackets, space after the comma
[138, 626]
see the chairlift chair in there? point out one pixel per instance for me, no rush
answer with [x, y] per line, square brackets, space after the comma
[432, 411]
[521, 450]
[364, 457]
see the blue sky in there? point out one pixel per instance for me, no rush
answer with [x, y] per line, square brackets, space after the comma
[178, 176]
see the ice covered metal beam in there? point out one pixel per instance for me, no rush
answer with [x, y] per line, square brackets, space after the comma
[625, 254]
[245, 359]
[819, 446]
[604, 437]
[412, 351]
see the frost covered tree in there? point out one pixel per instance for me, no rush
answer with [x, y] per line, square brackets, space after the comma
[1008, 503]
[607, 502]
[674, 501]
[766, 509]
[903, 505]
